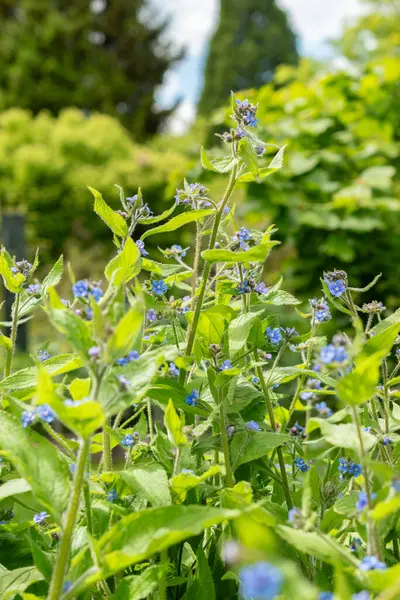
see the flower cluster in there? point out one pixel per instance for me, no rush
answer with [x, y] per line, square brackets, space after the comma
[192, 194]
[349, 467]
[321, 311]
[130, 357]
[84, 288]
[43, 412]
[261, 581]
[336, 282]
[191, 399]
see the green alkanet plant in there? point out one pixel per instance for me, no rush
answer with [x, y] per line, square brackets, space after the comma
[192, 444]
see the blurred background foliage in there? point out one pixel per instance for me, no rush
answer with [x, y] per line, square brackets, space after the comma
[336, 202]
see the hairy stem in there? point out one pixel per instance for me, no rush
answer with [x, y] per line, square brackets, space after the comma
[13, 338]
[225, 446]
[282, 468]
[72, 511]
[207, 269]
[107, 456]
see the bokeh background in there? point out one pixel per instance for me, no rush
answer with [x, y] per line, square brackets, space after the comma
[106, 92]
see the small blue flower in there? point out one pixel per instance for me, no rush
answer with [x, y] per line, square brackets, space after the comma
[187, 471]
[67, 586]
[121, 362]
[252, 426]
[261, 288]
[159, 287]
[355, 469]
[96, 292]
[325, 596]
[371, 563]
[141, 248]
[43, 355]
[256, 380]
[226, 365]
[178, 250]
[260, 581]
[386, 441]
[112, 495]
[362, 501]
[128, 440]
[133, 355]
[331, 354]
[45, 413]
[34, 289]
[336, 287]
[274, 335]
[250, 119]
[94, 352]
[243, 287]
[343, 465]
[323, 409]
[132, 199]
[40, 518]
[173, 370]
[151, 315]
[191, 399]
[27, 418]
[80, 289]
[302, 465]
[363, 595]
[294, 513]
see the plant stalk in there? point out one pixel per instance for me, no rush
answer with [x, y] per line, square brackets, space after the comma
[13, 338]
[72, 511]
[225, 446]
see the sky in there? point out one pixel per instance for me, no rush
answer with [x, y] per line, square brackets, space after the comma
[192, 23]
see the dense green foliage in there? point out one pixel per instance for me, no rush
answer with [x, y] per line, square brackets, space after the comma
[227, 495]
[253, 37]
[46, 162]
[97, 56]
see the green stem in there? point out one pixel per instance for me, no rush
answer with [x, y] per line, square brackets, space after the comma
[59, 439]
[196, 262]
[207, 269]
[72, 511]
[282, 468]
[88, 508]
[13, 337]
[373, 539]
[162, 587]
[225, 445]
[150, 417]
[107, 457]
[133, 417]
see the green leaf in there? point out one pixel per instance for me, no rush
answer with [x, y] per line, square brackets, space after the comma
[246, 447]
[360, 385]
[179, 221]
[381, 343]
[79, 388]
[256, 254]
[213, 323]
[202, 586]
[239, 330]
[39, 463]
[248, 155]
[384, 509]
[13, 487]
[140, 587]
[343, 435]
[382, 325]
[280, 298]
[17, 581]
[317, 545]
[115, 221]
[158, 218]
[13, 282]
[26, 378]
[183, 482]
[75, 329]
[54, 277]
[174, 426]
[152, 481]
[218, 165]
[140, 535]
[125, 265]
[274, 165]
[5, 342]
[83, 419]
[126, 332]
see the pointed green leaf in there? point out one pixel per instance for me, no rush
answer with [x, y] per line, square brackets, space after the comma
[54, 277]
[126, 332]
[158, 218]
[140, 587]
[256, 254]
[13, 487]
[174, 426]
[152, 481]
[179, 221]
[115, 221]
[125, 265]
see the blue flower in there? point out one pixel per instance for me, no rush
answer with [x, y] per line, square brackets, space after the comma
[294, 514]
[302, 465]
[121, 362]
[336, 287]
[173, 370]
[45, 413]
[112, 495]
[80, 289]
[40, 518]
[323, 409]
[343, 465]
[43, 355]
[243, 287]
[362, 501]
[321, 310]
[250, 119]
[330, 354]
[252, 426]
[371, 563]
[178, 250]
[96, 292]
[256, 380]
[363, 595]
[187, 471]
[141, 248]
[325, 596]
[132, 199]
[355, 469]
[128, 440]
[34, 289]
[151, 315]
[159, 287]
[386, 441]
[94, 352]
[274, 335]
[261, 288]
[226, 365]
[67, 586]
[260, 581]
[133, 355]
[191, 399]
[27, 418]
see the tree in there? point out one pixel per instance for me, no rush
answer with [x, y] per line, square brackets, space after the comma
[253, 37]
[96, 55]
